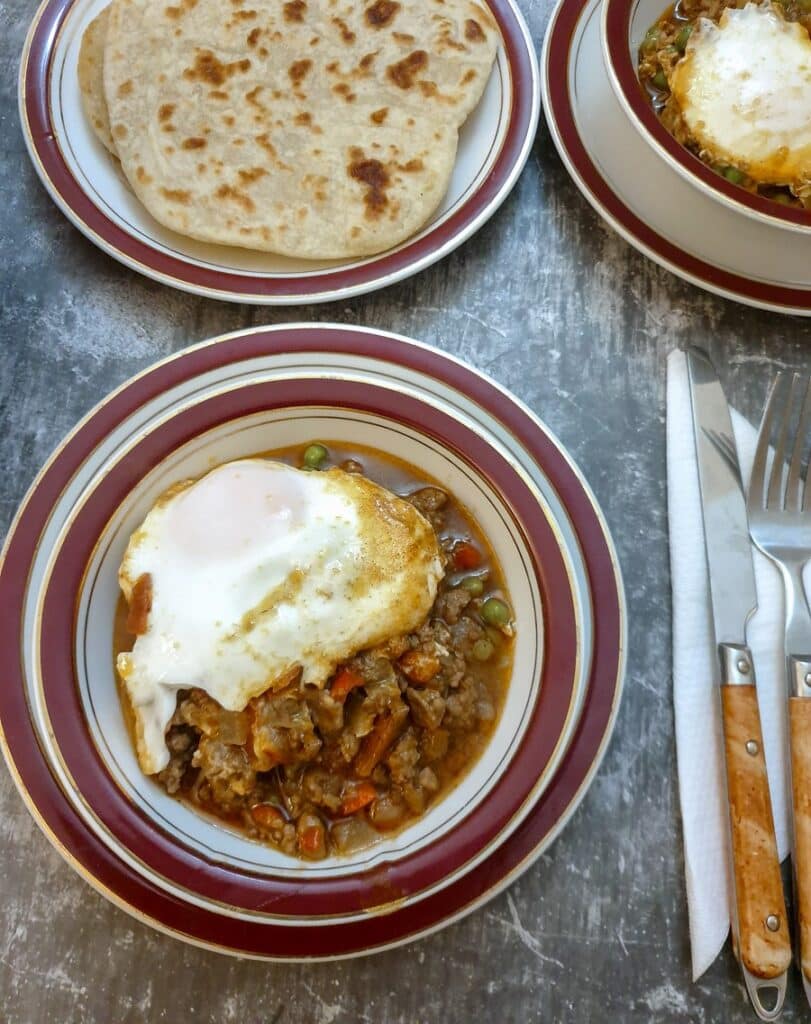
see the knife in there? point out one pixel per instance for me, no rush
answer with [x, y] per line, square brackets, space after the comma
[759, 920]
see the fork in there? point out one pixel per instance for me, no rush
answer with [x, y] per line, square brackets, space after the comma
[779, 510]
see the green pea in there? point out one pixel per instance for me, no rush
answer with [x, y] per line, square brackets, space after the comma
[495, 612]
[733, 174]
[314, 456]
[680, 42]
[483, 649]
[475, 584]
[660, 80]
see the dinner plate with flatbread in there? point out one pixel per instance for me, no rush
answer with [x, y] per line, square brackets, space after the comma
[278, 151]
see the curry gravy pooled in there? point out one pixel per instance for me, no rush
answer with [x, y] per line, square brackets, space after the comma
[305, 128]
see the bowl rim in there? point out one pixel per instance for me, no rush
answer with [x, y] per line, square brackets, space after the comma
[615, 29]
[394, 924]
[248, 434]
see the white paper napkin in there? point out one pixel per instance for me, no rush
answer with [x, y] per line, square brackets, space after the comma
[695, 693]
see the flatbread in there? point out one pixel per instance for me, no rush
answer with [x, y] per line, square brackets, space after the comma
[91, 78]
[311, 128]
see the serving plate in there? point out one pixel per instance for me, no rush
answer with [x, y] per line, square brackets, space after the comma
[83, 180]
[63, 735]
[182, 432]
[642, 196]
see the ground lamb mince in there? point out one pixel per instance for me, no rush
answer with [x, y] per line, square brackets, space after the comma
[311, 773]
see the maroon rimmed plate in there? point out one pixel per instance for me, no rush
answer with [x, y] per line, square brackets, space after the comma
[82, 178]
[63, 730]
[640, 194]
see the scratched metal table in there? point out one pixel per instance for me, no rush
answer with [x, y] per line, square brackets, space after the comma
[560, 310]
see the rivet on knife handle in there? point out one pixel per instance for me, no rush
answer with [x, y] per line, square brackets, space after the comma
[763, 938]
[799, 714]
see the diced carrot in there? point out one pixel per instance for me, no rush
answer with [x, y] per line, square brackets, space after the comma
[345, 681]
[466, 556]
[359, 797]
[376, 744]
[266, 815]
[140, 605]
[311, 839]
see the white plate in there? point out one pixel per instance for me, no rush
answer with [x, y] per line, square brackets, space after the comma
[86, 183]
[62, 727]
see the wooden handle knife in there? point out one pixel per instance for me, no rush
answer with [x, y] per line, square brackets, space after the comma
[764, 945]
[759, 924]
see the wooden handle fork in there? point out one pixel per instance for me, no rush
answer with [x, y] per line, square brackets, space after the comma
[799, 716]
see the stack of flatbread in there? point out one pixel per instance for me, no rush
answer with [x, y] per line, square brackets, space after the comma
[310, 128]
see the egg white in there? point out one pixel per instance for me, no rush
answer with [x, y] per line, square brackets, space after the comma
[259, 570]
[744, 92]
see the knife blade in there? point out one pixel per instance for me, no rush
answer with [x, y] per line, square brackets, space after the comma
[759, 919]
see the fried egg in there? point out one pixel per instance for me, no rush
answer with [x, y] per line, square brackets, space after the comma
[744, 92]
[257, 572]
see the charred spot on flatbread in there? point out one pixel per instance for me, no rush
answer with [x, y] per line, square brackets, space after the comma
[381, 13]
[403, 73]
[375, 177]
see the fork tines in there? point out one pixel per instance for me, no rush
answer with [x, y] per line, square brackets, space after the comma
[788, 406]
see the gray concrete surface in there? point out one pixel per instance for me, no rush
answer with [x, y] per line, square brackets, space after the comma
[557, 308]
